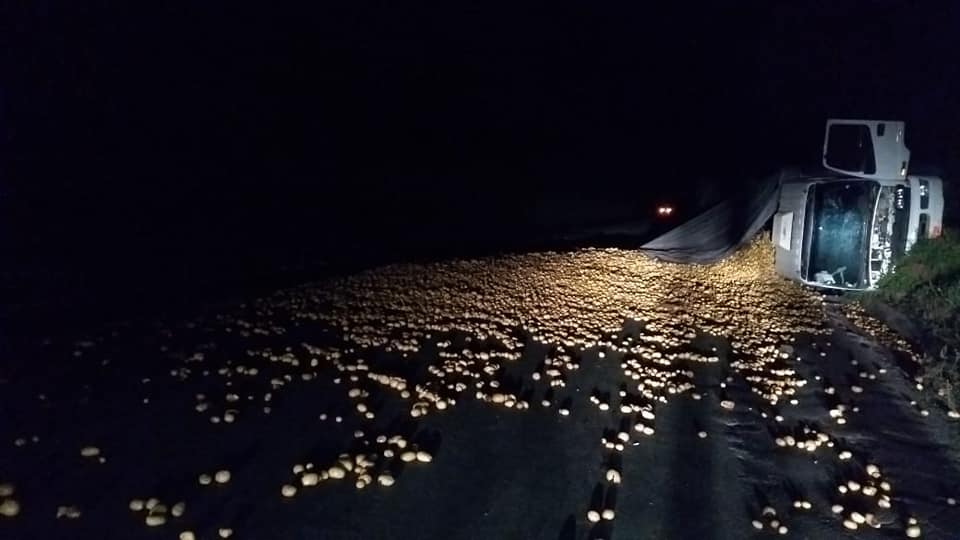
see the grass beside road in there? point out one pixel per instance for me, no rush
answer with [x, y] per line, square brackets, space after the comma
[926, 288]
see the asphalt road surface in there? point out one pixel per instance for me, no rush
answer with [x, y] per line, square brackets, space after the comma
[591, 394]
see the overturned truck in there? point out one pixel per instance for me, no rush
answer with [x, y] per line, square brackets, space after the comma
[847, 230]
[844, 228]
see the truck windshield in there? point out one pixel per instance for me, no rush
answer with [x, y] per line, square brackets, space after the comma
[842, 215]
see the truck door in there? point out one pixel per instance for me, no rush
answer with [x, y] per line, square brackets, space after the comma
[872, 149]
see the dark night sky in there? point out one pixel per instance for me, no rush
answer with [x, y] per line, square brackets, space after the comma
[133, 134]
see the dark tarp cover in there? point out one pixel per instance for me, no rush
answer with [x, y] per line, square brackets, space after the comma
[722, 229]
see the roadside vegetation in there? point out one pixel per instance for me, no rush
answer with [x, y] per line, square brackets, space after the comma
[926, 288]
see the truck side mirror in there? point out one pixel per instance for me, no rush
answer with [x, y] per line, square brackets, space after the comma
[866, 148]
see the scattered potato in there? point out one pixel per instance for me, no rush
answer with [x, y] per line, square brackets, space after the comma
[9, 508]
[69, 512]
[613, 476]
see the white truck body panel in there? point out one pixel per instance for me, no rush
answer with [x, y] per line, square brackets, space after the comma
[926, 208]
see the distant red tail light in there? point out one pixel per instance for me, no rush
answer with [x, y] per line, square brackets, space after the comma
[664, 210]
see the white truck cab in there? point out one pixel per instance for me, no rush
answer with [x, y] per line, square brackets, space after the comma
[847, 230]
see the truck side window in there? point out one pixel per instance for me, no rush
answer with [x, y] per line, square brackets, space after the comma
[924, 224]
[924, 195]
[850, 148]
